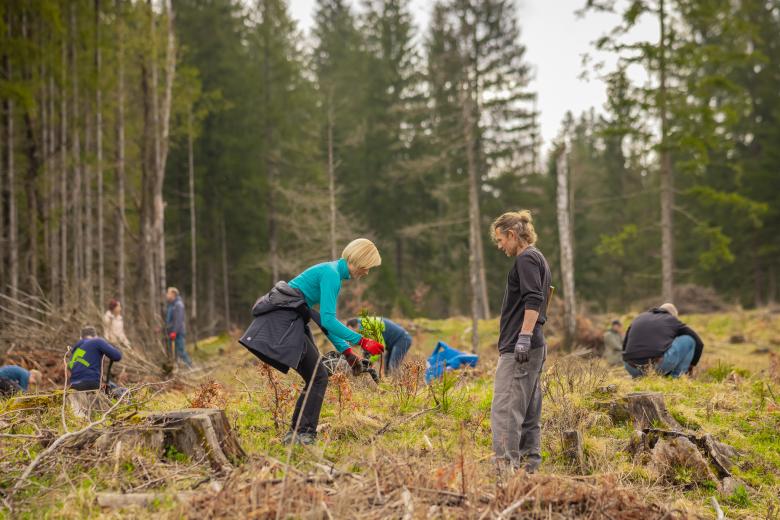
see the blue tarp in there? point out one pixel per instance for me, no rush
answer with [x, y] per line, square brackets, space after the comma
[444, 357]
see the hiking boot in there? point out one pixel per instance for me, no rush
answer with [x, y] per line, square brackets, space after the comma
[302, 438]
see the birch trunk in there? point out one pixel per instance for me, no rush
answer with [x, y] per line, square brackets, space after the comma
[162, 147]
[155, 294]
[120, 153]
[567, 259]
[667, 182]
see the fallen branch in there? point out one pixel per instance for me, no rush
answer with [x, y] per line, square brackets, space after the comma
[506, 513]
[719, 514]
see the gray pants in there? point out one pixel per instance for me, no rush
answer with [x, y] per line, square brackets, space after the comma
[516, 413]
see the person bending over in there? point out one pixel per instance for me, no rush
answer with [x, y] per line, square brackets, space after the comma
[280, 336]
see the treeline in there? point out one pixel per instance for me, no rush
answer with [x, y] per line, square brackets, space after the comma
[211, 145]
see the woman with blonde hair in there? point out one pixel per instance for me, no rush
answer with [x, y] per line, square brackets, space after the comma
[516, 410]
[280, 334]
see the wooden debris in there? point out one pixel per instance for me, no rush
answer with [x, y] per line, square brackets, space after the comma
[646, 409]
[572, 448]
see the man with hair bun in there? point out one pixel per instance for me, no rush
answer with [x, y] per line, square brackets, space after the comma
[516, 410]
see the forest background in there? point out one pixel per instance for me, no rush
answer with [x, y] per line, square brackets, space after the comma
[211, 145]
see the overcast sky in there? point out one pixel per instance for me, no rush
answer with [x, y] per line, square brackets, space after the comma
[555, 39]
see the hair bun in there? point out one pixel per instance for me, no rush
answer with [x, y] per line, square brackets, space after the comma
[525, 216]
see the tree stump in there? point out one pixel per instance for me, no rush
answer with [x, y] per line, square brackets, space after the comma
[86, 403]
[646, 409]
[201, 433]
[572, 448]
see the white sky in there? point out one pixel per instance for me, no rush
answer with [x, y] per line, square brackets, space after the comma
[555, 40]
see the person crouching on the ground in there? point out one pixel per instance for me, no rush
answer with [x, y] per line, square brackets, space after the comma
[174, 325]
[280, 336]
[517, 399]
[113, 325]
[397, 340]
[613, 344]
[657, 337]
[86, 360]
[16, 378]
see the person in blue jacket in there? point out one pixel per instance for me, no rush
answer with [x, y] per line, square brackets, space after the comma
[397, 340]
[174, 324]
[20, 377]
[86, 360]
[280, 335]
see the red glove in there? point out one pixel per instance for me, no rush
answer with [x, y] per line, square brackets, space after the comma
[172, 335]
[371, 346]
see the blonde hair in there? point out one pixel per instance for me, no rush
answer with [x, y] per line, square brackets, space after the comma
[521, 222]
[362, 253]
[174, 290]
[670, 308]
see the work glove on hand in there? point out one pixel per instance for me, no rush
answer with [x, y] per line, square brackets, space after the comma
[353, 360]
[371, 346]
[522, 347]
[172, 335]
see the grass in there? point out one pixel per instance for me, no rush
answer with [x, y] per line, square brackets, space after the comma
[443, 430]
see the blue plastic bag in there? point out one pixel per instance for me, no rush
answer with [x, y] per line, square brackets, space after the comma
[444, 357]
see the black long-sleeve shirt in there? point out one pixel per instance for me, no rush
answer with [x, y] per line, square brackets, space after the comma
[527, 286]
[651, 334]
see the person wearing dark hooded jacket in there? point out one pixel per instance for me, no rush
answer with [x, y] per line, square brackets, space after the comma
[280, 336]
[657, 338]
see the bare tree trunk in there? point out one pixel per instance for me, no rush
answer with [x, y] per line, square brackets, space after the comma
[193, 223]
[89, 221]
[120, 153]
[162, 148]
[155, 295]
[99, 158]
[46, 174]
[13, 238]
[78, 206]
[468, 143]
[225, 286]
[64, 174]
[331, 178]
[667, 182]
[211, 297]
[269, 165]
[567, 256]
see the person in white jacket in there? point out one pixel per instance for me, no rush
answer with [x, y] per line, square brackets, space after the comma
[113, 325]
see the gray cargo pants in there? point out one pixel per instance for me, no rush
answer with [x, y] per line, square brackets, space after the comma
[516, 412]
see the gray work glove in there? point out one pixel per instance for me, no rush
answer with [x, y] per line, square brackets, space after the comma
[522, 347]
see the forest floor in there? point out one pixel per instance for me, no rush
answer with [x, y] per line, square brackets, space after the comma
[407, 450]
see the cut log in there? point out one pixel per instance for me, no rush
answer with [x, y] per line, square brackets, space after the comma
[28, 402]
[121, 500]
[572, 448]
[201, 433]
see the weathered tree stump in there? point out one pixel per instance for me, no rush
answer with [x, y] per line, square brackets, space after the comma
[86, 403]
[201, 433]
[646, 409]
[572, 448]
[679, 452]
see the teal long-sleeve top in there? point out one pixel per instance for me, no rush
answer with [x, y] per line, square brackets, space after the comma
[320, 284]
